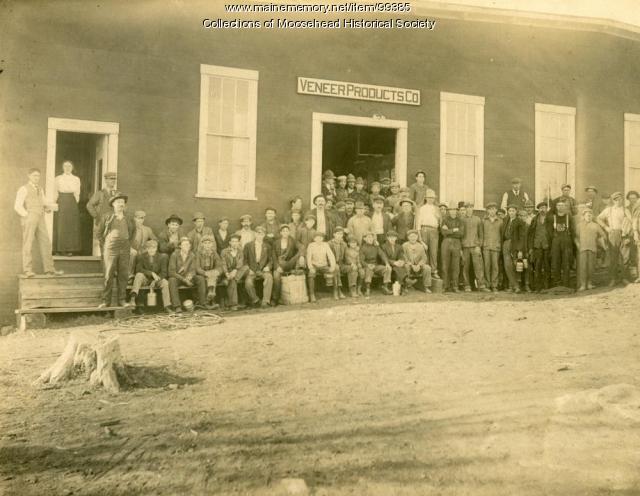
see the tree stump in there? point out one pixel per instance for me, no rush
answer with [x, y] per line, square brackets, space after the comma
[101, 364]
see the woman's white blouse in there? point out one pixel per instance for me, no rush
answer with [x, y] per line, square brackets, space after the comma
[68, 183]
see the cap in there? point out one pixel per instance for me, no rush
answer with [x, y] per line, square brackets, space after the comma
[198, 215]
[352, 239]
[110, 175]
[394, 184]
[512, 206]
[565, 186]
[342, 177]
[375, 183]
[385, 180]
[340, 204]
[407, 200]
[328, 174]
[541, 204]
[184, 238]
[338, 229]
[246, 217]
[234, 236]
[516, 180]
[359, 204]
[412, 231]
[368, 233]
[405, 189]
[140, 213]
[528, 203]
[150, 242]
[502, 210]
[207, 237]
[616, 195]
[491, 205]
[443, 204]
[587, 209]
[461, 204]
[260, 229]
[222, 219]
[284, 226]
[172, 218]
[351, 177]
[392, 234]
[318, 233]
[468, 205]
[310, 216]
[349, 200]
[632, 192]
[318, 196]
[591, 188]
[118, 196]
[359, 180]
[377, 199]
[430, 194]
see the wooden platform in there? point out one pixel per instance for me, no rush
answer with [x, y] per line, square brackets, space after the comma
[65, 291]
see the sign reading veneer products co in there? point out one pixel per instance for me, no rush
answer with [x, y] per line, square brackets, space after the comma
[357, 91]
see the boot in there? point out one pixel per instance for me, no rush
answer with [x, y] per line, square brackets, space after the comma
[312, 290]
[367, 290]
[341, 294]
[386, 289]
[132, 300]
[336, 295]
[353, 291]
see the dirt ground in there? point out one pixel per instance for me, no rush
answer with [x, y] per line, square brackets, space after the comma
[443, 395]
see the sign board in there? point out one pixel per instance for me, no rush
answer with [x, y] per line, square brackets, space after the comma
[358, 91]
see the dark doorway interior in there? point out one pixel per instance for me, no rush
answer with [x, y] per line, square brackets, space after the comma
[363, 151]
[85, 151]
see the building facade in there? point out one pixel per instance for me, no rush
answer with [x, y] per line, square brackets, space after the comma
[230, 121]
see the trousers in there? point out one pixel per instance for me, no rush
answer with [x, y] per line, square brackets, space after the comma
[586, 266]
[116, 264]
[509, 268]
[431, 237]
[267, 285]
[469, 256]
[141, 280]
[377, 270]
[352, 274]
[541, 268]
[619, 255]
[199, 285]
[491, 267]
[424, 273]
[450, 262]
[561, 258]
[34, 229]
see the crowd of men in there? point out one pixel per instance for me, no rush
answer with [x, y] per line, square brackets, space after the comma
[355, 234]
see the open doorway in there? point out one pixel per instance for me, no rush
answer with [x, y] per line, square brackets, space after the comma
[92, 146]
[364, 151]
[371, 147]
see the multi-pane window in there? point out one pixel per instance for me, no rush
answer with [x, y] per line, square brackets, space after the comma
[227, 147]
[462, 148]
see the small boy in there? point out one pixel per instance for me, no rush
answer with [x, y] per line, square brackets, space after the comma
[321, 260]
[588, 236]
[339, 249]
[352, 266]
[375, 262]
[305, 233]
[417, 265]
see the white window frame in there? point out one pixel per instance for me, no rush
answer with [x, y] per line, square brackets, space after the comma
[539, 193]
[479, 165]
[627, 166]
[252, 124]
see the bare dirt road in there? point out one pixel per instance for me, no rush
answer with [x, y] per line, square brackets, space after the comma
[445, 395]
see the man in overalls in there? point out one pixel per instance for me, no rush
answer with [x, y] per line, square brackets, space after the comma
[563, 234]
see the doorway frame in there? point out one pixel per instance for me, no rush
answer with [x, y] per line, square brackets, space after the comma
[55, 124]
[318, 121]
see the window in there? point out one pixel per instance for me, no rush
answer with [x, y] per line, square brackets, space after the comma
[632, 152]
[555, 152]
[462, 148]
[227, 144]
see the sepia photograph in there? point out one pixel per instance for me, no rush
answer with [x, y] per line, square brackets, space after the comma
[320, 247]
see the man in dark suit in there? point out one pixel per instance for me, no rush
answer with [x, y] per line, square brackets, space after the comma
[259, 258]
[286, 257]
[98, 205]
[395, 256]
[381, 222]
[222, 234]
[540, 233]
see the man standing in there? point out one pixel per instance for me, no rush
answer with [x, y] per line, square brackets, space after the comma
[592, 200]
[472, 249]
[271, 225]
[418, 190]
[563, 234]
[324, 220]
[428, 222]
[515, 196]
[380, 221]
[98, 205]
[405, 220]
[31, 206]
[539, 242]
[259, 259]
[115, 232]
[510, 232]
[452, 232]
[616, 221]
[199, 231]
[359, 224]
[492, 245]
[570, 202]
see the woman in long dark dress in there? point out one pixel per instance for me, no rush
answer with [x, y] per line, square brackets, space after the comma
[67, 231]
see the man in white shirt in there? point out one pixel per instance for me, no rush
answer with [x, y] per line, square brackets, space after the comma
[616, 221]
[31, 206]
[428, 223]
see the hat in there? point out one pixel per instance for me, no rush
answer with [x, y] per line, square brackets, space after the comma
[184, 238]
[502, 210]
[616, 195]
[565, 186]
[349, 200]
[353, 239]
[310, 216]
[591, 187]
[318, 196]
[234, 235]
[340, 204]
[468, 205]
[118, 196]
[528, 203]
[198, 215]
[207, 237]
[318, 233]
[587, 209]
[541, 204]
[412, 231]
[140, 213]
[461, 204]
[222, 219]
[359, 204]
[377, 199]
[632, 192]
[246, 217]
[368, 233]
[406, 200]
[351, 177]
[173, 217]
[359, 180]
[510, 206]
[392, 234]
[284, 226]
[328, 174]
[338, 229]
[394, 184]
[491, 205]
[110, 175]
[385, 180]
[443, 204]
[430, 194]
[342, 177]
[516, 180]
[151, 241]
[260, 229]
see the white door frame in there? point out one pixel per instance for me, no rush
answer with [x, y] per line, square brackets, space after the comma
[628, 119]
[318, 119]
[55, 124]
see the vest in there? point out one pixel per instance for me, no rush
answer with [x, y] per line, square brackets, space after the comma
[33, 201]
[512, 199]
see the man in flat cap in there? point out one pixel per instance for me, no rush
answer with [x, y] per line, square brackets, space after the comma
[515, 196]
[617, 222]
[247, 235]
[492, 246]
[259, 258]
[115, 232]
[199, 231]
[539, 238]
[452, 231]
[593, 201]
[569, 201]
[351, 184]
[562, 243]
[140, 237]
[31, 205]
[169, 238]
[98, 205]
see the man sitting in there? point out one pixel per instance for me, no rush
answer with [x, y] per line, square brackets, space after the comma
[417, 261]
[182, 271]
[375, 263]
[286, 257]
[234, 268]
[208, 270]
[151, 270]
[259, 259]
[395, 256]
[320, 260]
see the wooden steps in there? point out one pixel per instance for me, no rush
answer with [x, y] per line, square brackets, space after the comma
[65, 291]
